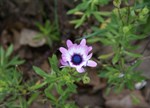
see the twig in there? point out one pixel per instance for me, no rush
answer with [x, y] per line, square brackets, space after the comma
[56, 15]
[144, 58]
[146, 46]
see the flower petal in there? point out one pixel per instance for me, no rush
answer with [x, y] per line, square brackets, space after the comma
[91, 63]
[72, 49]
[89, 56]
[63, 50]
[80, 70]
[64, 63]
[81, 50]
[83, 42]
[89, 49]
[65, 58]
[69, 43]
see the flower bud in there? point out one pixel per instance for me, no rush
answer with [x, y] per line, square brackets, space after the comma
[145, 10]
[86, 79]
[117, 3]
[125, 29]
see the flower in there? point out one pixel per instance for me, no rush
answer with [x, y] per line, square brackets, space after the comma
[77, 56]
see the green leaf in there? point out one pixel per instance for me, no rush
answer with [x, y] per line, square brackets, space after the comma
[72, 87]
[117, 3]
[15, 61]
[9, 51]
[104, 13]
[95, 33]
[72, 11]
[93, 40]
[59, 88]
[130, 84]
[116, 58]
[135, 99]
[108, 90]
[135, 65]
[37, 86]
[105, 56]
[23, 102]
[49, 94]
[81, 21]
[103, 74]
[120, 88]
[98, 17]
[2, 58]
[40, 27]
[132, 54]
[106, 41]
[54, 63]
[40, 72]
[132, 37]
[33, 97]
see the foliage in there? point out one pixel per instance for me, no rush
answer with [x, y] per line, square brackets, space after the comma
[48, 31]
[118, 31]
[10, 79]
[63, 81]
[88, 8]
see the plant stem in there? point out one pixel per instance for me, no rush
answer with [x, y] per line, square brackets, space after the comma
[120, 15]
[128, 17]
[56, 15]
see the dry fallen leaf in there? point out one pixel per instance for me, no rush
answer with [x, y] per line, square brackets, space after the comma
[95, 81]
[126, 99]
[90, 100]
[28, 38]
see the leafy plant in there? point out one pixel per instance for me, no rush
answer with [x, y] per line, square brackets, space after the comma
[63, 81]
[118, 31]
[88, 8]
[10, 79]
[48, 31]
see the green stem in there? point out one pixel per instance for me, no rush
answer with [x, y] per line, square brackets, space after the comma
[120, 15]
[56, 15]
[128, 17]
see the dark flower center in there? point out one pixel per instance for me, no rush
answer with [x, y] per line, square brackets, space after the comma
[76, 59]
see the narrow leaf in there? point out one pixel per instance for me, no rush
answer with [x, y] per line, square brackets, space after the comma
[40, 72]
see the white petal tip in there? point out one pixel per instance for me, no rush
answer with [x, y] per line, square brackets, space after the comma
[91, 63]
[80, 70]
[69, 43]
[83, 42]
[62, 50]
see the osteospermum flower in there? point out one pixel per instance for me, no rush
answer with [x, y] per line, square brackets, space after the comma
[77, 56]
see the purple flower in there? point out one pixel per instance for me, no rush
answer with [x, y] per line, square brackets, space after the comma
[77, 56]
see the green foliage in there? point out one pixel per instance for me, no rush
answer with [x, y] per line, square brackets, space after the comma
[48, 31]
[63, 81]
[10, 79]
[6, 61]
[117, 3]
[124, 25]
[120, 33]
[88, 8]
[122, 77]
